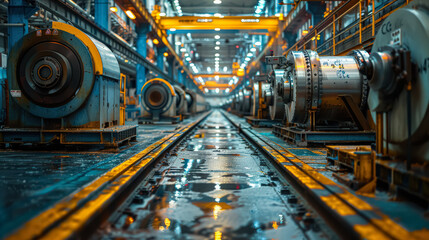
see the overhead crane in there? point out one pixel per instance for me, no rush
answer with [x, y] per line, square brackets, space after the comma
[192, 23]
[228, 24]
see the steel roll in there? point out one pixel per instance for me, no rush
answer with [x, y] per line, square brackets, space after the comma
[246, 100]
[181, 102]
[272, 97]
[314, 83]
[255, 97]
[157, 95]
[54, 70]
[196, 102]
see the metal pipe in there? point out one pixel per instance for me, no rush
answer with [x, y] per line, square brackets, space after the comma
[12, 24]
[379, 133]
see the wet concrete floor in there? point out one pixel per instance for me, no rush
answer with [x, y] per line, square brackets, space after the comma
[215, 188]
[32, 180]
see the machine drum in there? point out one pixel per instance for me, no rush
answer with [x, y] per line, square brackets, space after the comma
[49, 74]
[155, 97]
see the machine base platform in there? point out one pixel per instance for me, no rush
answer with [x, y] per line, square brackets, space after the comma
[391, 174]
[302, 137]
[108, 137]
[150, 120]
[262, 123]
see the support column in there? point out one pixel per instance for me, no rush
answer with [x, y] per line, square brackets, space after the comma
[102, 13]
[171, 61]
[18, 12]
[142, 32]
[160, 57]
[179, 75]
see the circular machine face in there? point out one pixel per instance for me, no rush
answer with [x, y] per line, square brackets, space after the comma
[157, 95]
[54, 73]
[180, 98]
[410, 24]
[50, 74]
[296, 93]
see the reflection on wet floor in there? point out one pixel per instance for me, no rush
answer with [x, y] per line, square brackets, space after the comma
[32, 180]
[215, 188]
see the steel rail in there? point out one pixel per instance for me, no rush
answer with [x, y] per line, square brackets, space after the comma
[77, 215]
[350, 216]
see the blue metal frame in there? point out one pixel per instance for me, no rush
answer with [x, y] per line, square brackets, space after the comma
[142, 32]
[160, 57]
[18, 12]
[3, 77]
[102, 13]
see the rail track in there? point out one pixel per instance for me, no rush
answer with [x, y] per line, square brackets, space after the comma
[213, 178]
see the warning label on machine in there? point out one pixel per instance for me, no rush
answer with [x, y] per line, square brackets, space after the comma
[15, 93]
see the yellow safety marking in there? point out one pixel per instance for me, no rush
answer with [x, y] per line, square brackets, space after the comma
[318, 152]
[304, 178]
[355, 201]
[78, 219]
[370, 232]
[39, 224]
[95, 55]
[161, 80]
[339, 206]
[373, 232]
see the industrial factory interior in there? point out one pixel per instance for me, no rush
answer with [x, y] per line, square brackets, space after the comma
[214, 119]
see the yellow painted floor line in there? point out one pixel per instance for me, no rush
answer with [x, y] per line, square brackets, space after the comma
[120, 174]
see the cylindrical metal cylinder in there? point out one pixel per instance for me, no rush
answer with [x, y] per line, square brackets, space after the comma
[399, 83]
[56, 72]
[181, 105]
[274, 100]
[315, 83]
[246, 100]
[255, 102]
[157, 95]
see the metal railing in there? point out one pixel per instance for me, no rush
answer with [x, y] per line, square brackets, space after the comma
[338, 38]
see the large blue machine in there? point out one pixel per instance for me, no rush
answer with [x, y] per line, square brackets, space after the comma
[64, 87]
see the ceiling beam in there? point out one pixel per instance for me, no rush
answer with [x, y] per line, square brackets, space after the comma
[252, 23]
[221, 75]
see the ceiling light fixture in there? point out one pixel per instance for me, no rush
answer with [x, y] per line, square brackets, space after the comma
[217, 47]
[217, 1]
[217, 37]
[113, 9]
[217, 29]
[130, 14]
